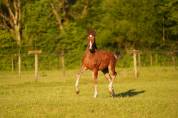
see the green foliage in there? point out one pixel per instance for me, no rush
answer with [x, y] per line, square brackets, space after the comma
[119, 24]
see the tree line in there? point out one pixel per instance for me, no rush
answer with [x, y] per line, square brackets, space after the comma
[61, 25]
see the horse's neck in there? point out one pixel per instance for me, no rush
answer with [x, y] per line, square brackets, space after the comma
[88, 51]
[95, 45]
[89, 54]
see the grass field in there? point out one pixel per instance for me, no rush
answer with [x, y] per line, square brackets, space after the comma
[153, 95]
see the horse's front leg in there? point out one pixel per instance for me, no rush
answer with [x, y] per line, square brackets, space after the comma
[78, 79]
[95, 78]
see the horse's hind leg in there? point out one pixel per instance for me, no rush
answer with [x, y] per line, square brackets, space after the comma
[111, 88]
[108, 77]
[83, 68]
[113, 76]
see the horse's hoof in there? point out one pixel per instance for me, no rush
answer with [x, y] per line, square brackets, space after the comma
[77, 92]
[95, 95]
[112, 94]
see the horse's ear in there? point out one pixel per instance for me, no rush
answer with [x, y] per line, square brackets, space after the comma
[91, 31]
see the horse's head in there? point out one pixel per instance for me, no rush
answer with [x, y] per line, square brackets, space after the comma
[91, 42]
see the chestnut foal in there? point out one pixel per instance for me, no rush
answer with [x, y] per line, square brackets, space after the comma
[96, 60]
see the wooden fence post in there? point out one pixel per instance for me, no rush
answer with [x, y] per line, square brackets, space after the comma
[135, 54]
[156, 59]
[19, 65]
[36, 53]
[135, 63]
[63, 62]
[151, 59]
[12, 63]
[173, 56]
[139, 59]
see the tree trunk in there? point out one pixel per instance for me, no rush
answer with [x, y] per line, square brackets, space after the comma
[18, 39]
[58, 18]
[85, 9]
[12, 21]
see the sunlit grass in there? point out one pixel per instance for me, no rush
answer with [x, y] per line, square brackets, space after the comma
[153, 95]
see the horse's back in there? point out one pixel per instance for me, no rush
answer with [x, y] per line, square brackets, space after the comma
[106, 55]
[107, 59]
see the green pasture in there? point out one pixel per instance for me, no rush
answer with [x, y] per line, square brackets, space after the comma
[153, 95]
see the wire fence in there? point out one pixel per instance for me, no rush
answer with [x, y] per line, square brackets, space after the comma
[57, 61]
[35, 61]
[46, 62]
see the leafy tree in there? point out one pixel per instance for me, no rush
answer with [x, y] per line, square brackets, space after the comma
[56, 25]
[10, 18]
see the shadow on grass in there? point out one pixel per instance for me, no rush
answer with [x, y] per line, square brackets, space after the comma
[129, 93]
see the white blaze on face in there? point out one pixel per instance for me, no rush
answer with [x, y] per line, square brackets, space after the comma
[90, 45]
